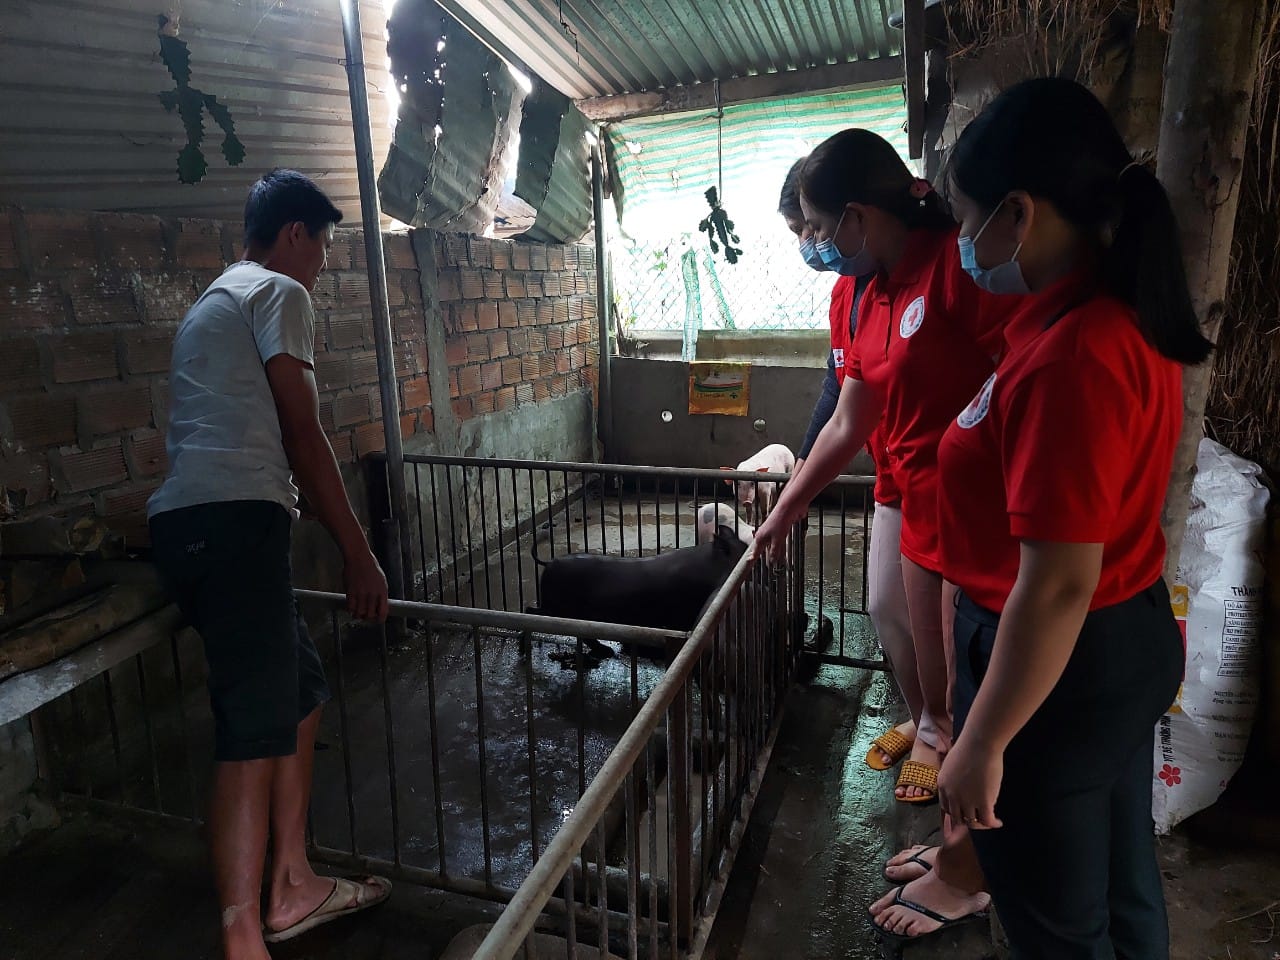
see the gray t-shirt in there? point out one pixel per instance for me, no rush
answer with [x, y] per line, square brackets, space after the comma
[224, 434]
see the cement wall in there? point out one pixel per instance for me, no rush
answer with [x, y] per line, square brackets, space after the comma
[781, 396]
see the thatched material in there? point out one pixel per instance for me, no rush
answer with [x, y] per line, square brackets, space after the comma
[1244, 404]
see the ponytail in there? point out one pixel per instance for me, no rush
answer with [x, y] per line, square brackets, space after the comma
[1053, 139]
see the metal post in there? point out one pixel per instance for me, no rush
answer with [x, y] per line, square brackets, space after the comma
[605, 413]
[396, 528]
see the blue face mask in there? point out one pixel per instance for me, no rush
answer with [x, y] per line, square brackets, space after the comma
[809, 251]
[858, 265]
[1004, 278]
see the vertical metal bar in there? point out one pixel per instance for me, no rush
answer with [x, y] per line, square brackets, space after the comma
[631, 813]
[151, 734]
[651, 801]
[435, 522]
[604, 542]
[622, 514]
[515, 512]
[83, 738]
[502, 555]
[466, 519]
[568, 510]
[602, 890]
[397, 528]
[604, 416]
[182, 723]
[484, 541]
[551, 515]
[822, 578]
[678, 752]
[582, 717]
[867, 510]
[480, 744]
[388, 721]
[422, 534]
[639, 517]
[345, 728]
[571, 910]
[115, 730]
[437, 789]
[531, 736]
[533, 534]
[453, 536]
[844, 533]
[657, 513]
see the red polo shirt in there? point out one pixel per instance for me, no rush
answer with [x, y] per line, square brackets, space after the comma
[842, 293]
[1070, 441]
[926, 340]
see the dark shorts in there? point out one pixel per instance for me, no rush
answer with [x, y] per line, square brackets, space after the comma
[227, 566]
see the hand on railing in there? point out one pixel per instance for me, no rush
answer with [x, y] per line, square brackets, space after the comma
[771, 537]
[366, 587]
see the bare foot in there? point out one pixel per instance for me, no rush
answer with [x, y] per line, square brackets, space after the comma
[929, 892]
[921, 752]
[908, 732]
[906, 866]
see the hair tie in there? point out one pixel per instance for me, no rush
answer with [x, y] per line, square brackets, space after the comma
[1127, 167]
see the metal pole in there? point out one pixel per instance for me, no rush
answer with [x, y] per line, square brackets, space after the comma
[396, 528]
[605, 414]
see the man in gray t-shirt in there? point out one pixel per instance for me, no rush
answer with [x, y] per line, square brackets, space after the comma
[244, 425]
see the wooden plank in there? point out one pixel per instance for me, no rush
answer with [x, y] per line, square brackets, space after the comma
[913, 47]
[767, 86]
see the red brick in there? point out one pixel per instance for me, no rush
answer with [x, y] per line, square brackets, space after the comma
[332, 371]
[353, 291]
[75, 471]
[199, 245]
[494, 288]
[410, 358]
[416, 393]
[347, 330]
[541, 391]
[40, 420]
[500, 254]
[537, 256]
[8, 245]
[324, 296]
[477, 347]
[498, 344]
[520, 255]
[364, 368]
[19, 364]
[359, 259]
[559, 386]
[529, 367]
[511, 370]
[453, 384]
[406, 324]
[555, 338]
[563, 362]
[478, 252]
[454, 250]
[340, 252]
[484, 403]
[589, 308]
[370, 439]
[102, 297]
[408, 424]
[578, 357]
[147, 352]
[84, 356]
[463, 408]
[398, 249]
[515, 286]
[411, 284]
[130, 500]
[469, 380]
[491, 375]
[456, 351]
[533, 285]
[133, 241]
[508, 314]
[167, 296]
[506, 397]
[582, 284]
[471, 283]
[31, 304]
[545, 311]
[577, 309]
[560, 310]
[448, 286]
[556, 258]
[551, 285]
[527, 311]
[427, 421]
[60, 240]
[546, 364]
[160, 403]
[25, 480]
[147, 457]
[487, 315]
[524, 393]
[519, 341]
[326, 414]
[343, 450]
[115, 409]
[350, 409]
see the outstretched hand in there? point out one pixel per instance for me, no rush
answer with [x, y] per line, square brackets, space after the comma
[771, 538]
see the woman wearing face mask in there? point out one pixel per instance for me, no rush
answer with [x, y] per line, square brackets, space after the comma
[1052, 482]
[886, 598]
[926, 341]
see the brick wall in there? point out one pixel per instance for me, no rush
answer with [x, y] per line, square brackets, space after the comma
[520, 321]
[89, 304]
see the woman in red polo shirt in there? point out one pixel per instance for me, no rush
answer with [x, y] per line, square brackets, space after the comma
[1052, 482]
[886, 598]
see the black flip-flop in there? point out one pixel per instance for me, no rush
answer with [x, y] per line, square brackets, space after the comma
[914, 858]
[947, 923]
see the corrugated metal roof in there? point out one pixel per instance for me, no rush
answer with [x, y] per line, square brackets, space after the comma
[552, 176]
[591, 48]
[82, 125]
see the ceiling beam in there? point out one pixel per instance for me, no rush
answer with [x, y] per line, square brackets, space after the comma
[766, 86]
[913, 49]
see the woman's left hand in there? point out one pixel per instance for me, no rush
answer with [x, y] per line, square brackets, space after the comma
[969, 783]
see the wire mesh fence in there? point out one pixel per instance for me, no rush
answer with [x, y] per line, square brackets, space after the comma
[678, 284]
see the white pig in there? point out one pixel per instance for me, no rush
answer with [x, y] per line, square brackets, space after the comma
[755, 497]
[712, 515]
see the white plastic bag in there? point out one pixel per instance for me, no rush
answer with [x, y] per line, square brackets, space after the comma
[1218, 598]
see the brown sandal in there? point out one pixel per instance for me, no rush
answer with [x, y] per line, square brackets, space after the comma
[891, 743]
[347, 897]
[916, 774]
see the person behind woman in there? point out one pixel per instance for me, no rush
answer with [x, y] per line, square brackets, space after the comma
[886, 598]
[1051, 486]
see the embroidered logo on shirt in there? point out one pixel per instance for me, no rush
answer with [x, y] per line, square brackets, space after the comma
[912, 318]
[837, 354]
[976, 411]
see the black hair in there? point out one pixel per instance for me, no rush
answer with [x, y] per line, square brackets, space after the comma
[789, 200]
[283, 197]
[858, 166]
[1052, 138]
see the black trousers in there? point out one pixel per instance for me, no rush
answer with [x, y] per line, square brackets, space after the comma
[1073, 871]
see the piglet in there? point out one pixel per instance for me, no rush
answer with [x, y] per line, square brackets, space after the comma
[755, 497]
[713, 515]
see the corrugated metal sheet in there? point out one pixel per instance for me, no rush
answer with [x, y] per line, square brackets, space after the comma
[591, 48]
[82, 126]
[553, 175]
[452, 180]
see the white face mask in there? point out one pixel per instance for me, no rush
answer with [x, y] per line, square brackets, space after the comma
[1004, 278]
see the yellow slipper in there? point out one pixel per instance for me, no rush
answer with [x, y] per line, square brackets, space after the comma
[891, 743]
[916, 774]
